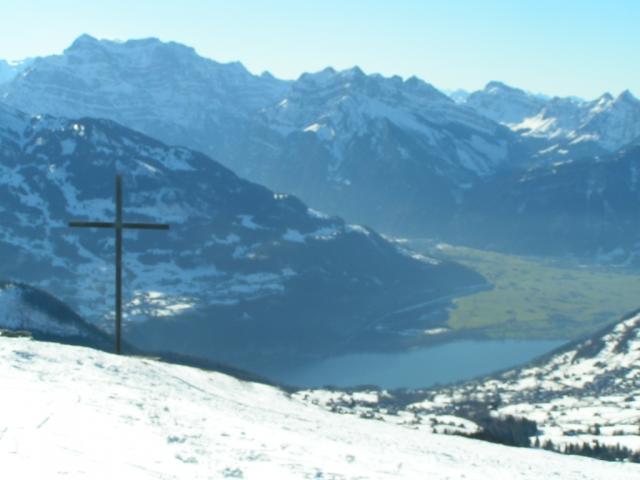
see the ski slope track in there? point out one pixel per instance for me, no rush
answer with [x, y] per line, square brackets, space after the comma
[72, 412]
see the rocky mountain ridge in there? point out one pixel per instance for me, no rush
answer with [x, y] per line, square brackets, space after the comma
[333, 138]
[394, 154]
[566, 124]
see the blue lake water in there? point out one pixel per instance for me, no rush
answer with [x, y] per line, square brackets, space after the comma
[424, 367]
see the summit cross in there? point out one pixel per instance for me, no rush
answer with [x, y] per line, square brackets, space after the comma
[118, 226]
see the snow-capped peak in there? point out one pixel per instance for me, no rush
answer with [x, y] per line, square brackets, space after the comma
[84, 41]
[495, 87]
[627, 97]
[609, 123]
[505, 104]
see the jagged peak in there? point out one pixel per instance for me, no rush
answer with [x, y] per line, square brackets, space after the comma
[145, 50]
[414, 81]
[353, 72]
[605, 97]
[419, 85]
[88, 43]
[83, 41]
[627, 97]
[323, 75]
[496, 86]
[374, 85]
[330, 73]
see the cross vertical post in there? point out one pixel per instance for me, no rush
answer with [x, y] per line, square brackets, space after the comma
[118, 226]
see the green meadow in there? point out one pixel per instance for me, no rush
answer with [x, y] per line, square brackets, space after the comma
[534, 298]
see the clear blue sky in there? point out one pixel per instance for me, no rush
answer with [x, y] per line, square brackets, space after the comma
[558, 47]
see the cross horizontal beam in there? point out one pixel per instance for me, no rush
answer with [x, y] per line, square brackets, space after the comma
[118, 226]
[143, 226]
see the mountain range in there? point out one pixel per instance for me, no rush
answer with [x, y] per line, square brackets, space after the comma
[395, 154]
[333, 138]
[570, 126]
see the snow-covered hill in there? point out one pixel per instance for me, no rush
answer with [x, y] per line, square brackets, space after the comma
[71, 412]
[243, 270]
[586, 391]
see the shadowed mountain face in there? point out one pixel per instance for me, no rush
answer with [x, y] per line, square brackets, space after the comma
[586, 208]
[242, 272]
[27, 309]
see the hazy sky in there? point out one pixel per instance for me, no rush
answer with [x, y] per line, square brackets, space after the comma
[558, 47]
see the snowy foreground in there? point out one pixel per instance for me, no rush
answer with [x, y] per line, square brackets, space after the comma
[71, 412]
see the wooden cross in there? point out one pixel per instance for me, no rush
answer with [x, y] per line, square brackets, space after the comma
[119, 225]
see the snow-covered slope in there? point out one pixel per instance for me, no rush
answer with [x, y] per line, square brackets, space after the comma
[240, 261]
[70, 412]
[588, 390]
